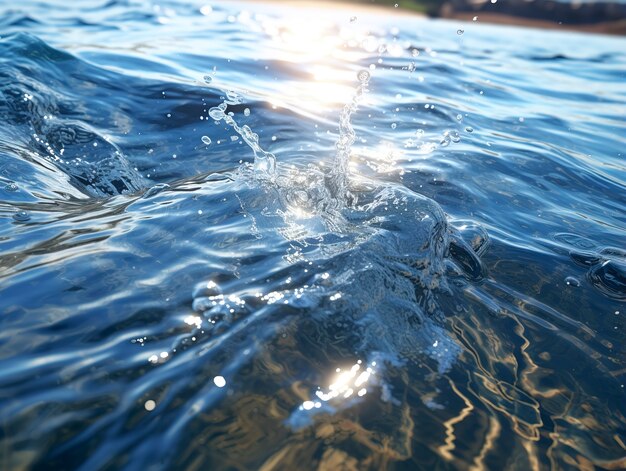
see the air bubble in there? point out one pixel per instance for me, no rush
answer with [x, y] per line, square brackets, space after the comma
[21, 216]
[206, 140]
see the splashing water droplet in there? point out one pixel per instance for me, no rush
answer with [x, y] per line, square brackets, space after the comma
[393, 125]
[206, 140]
[233, 98]
[11, 187]
[208, 79]
[455, 136]
[352, 19]
[460, 32]
[246, 112]
[363, 76]
[217, 113]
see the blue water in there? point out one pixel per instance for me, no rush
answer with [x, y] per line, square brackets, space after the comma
[423, 267]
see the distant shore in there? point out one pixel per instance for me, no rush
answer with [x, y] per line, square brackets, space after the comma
[603, 27]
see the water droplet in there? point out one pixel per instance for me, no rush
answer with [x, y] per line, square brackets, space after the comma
[12, 187]
[415, 52]
[393, 125]
[454, 135]
[445, 139]
[475, 18]
[396, 5]
[150, 405]
[217, 113]
[469, 129]
[219, 381]
[352, 19]
[494, 1]
[363, 76]
[571, 281]
[21, 216]
[460, 32]
[206, 140]
[208, 79]
[246, 112]
[274, 138]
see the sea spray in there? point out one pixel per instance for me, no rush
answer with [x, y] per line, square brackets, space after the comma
[264, 162]
[333, 195]
[337, 178]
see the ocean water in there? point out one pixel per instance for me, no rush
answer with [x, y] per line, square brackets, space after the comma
[259, 236]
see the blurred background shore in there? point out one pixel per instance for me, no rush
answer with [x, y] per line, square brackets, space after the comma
[605, 17]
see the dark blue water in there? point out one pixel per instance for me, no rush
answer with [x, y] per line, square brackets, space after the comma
[433, 275]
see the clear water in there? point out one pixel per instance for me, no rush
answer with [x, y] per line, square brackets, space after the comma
[425, 269]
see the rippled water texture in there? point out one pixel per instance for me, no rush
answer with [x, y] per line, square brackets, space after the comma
[420, 269]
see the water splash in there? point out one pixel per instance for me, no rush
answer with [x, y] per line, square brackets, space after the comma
[313, 191]
[338, 176]
[264, 162]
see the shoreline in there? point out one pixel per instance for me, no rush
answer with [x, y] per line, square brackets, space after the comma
[616, 28]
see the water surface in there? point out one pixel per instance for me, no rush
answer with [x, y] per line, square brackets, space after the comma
[424, 267]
